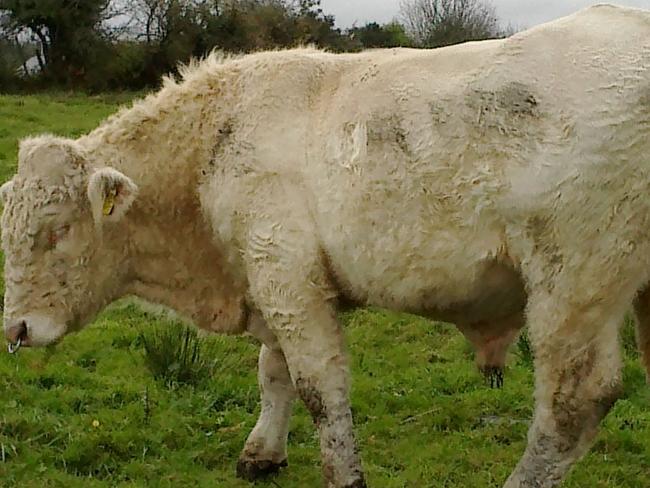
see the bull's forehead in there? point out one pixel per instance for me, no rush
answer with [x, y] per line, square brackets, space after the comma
[29, 204]
[51, 175]
[53, 161]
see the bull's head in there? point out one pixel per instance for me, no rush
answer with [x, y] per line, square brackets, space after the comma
[64, 259]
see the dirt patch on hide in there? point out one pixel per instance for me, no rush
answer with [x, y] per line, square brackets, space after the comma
[313, 400]
[517, 99]
[387, 129]
[514, 99]
[504, 109]
[574, 414]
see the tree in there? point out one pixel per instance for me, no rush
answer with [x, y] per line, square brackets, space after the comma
[373, 35]
[435, 23]
[113, 44]
[253, 25]
[68, 32]
[155, 20]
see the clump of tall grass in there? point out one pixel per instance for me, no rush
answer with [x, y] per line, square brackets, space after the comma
[628, 337]
[525, 349]
[176, 355]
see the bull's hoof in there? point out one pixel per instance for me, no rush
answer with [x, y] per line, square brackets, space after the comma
[358, 484]
[255, 469]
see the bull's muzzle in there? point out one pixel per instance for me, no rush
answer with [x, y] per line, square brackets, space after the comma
[16, 334]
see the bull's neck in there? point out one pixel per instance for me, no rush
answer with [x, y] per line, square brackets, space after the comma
[161, 144]
[173, 261]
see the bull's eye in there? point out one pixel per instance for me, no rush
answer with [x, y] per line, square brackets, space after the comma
[57, 235]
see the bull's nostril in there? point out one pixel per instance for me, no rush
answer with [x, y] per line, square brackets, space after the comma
[16, 332]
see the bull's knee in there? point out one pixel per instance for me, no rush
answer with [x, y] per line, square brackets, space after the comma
[585, 390]
[574, 421]
[313, 400]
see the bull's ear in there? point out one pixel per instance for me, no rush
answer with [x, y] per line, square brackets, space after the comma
[111, 194]
[5, 190]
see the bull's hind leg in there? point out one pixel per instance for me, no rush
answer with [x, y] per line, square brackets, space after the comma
[265, 451]
[642, 310]
[577, 376]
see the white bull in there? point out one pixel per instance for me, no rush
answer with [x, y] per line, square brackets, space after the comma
[479, 183]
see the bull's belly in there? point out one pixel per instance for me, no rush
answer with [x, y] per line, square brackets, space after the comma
[462, 283]
[498, 293]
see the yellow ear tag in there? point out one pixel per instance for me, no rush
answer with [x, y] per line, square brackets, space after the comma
[109, 202]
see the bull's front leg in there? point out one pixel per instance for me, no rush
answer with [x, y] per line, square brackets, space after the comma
[265, 451]
[288, 285]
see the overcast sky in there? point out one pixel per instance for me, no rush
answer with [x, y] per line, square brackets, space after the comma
[519, 13]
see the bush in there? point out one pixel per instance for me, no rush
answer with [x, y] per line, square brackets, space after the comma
[176, 355]
[373, 35]
[437, 23]
[10, 62]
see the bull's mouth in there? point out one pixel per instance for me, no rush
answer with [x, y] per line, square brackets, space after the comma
[35, 330]
[13, 347]
[21, 341]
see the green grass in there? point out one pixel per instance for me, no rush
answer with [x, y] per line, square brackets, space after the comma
[176, 355]
[90, 413]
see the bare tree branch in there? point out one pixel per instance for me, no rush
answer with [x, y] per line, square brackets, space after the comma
[434, 23]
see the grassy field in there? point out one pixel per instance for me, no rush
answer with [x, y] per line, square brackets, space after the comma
[89, 412]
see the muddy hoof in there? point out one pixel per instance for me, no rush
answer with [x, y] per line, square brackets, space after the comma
[254, 469]
[358, 484]
[494, 376]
